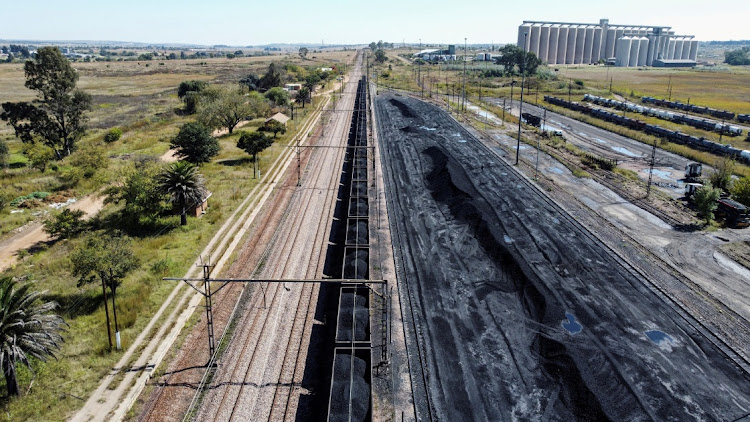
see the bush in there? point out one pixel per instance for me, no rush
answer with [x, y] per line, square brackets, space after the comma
[89, 159]
[113, 135]
[65, 224]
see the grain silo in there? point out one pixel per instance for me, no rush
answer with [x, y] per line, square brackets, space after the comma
[642, 52]
[562, 44]
[622, 52]
[554, 33]
[571, 48]
[635, 48]
[543, 43]
[588, 43]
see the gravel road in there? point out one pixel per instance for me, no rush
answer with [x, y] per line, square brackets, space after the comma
[516, 310]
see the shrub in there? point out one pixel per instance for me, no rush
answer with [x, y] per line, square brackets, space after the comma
[113, 135]
[90, 159]
[65, 224]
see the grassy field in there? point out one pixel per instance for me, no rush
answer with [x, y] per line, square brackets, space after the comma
[142, 101]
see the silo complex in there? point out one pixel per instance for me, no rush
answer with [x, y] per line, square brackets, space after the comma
[623, 45]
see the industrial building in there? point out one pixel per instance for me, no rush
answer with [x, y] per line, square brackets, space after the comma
[622, 45]
[445, 55]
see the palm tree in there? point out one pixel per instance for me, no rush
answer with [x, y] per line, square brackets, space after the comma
[182, 182]
[27, 329]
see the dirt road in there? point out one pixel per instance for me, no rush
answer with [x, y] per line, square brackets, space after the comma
[518, 311]
[34, 233]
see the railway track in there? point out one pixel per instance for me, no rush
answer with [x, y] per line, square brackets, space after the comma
[110, 401]
[265, 361]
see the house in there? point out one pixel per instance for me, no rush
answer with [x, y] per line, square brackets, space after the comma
[292, 87]
[199, 208]
[279, 117]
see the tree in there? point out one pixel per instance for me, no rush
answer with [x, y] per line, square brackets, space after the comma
[188, 92]
[705, 199]
[273, 77]
[39, 155]
[373, 46]
[303, 52]
[65, 224]
[259, 105]
[722, 174]
[254, 143]
[278, 96]
[303, 96]
[108, 257]
[184, 185]
[113, 135]
[380, 56]
[223, 108]
[27, 329]
[741, 191]
[139, 191]
[738, 57]
[251, 81]
[4, 153]
[195, 144]
[311, 81]
[275, 127]
[56, 117]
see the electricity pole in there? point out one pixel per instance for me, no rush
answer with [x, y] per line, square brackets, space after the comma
[520, 105]
[464, 88]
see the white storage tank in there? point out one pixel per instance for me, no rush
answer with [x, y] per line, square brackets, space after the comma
[562, 44]
[554, 33]
[580, 44]
[635, 48]
[652, 41]
[588, 45]
[543, 43]
[622, 54]
[570, 49]
[643, 52]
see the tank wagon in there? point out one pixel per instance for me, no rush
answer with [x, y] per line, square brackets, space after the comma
[671, 135]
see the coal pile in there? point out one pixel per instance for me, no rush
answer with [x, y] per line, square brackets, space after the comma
[354, 316]
[358, 207]
[360, 174]
[350, 388]
[357, 232]
[356, 264]
[359, 188]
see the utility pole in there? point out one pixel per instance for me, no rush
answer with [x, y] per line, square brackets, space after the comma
[721, 130]
[538, 144]
[464, 88]
[503, 118]
[570, 88]
[520, 105]
[419, 63]
[651, 169]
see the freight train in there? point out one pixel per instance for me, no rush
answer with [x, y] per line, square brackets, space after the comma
[721, 114]
[699, 123]
[671, 135]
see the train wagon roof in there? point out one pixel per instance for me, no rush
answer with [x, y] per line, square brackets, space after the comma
[734, 204]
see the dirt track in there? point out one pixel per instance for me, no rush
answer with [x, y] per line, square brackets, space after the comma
[517, 311]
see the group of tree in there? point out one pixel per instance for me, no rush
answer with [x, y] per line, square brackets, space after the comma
[222, 107]
[56, 117]
[17, 50]
[738, 57]
[380, 56]
[188, 92]
[380, 45]
[515, 61]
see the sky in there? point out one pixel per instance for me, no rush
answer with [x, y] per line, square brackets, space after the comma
[252, 22]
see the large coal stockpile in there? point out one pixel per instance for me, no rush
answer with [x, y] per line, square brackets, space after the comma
[516, 311]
